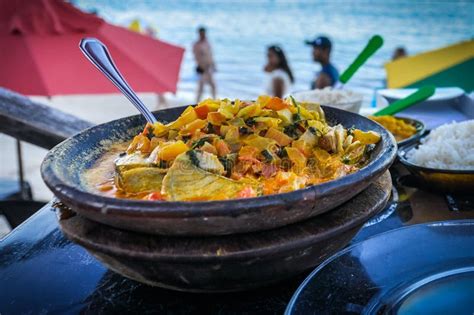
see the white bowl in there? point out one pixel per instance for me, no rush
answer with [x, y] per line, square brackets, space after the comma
[342, 99]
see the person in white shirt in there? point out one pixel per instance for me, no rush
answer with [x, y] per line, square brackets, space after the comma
[279, 72]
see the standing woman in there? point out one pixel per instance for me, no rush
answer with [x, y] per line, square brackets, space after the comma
[280, 75]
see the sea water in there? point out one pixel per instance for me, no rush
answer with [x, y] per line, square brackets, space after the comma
[240, 31]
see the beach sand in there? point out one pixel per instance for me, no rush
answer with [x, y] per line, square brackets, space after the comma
[94, 108]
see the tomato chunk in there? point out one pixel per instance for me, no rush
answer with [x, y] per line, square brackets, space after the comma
[247, 192]
[154, 196]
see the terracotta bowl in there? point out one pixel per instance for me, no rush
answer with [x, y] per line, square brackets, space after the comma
[64, 166]
[231, 262]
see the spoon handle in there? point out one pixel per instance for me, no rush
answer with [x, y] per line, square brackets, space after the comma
[372, 46]
[418, 96]
[98, 55]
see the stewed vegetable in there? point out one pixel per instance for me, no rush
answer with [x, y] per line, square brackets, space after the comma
[223, 149]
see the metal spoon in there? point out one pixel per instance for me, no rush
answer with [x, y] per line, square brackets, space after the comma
[98, 55]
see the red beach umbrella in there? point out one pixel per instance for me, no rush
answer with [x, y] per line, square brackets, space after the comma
[39, 52]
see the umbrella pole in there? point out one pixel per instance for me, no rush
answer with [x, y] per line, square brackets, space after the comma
[161, 101]
[25, 195]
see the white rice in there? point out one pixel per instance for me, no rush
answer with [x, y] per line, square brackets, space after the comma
[450, 146]
[344, 99]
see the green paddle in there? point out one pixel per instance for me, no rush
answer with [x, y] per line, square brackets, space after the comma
[372, 46]
[412, 99]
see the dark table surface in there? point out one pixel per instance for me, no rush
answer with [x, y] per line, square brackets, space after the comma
[43, 272]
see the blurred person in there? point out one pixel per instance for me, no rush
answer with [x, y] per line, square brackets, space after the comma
[150, 31]
[205, 65]
[399, 52]
[280, 75]
[328, 76]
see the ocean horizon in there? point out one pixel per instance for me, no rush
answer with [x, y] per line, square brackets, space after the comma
[240, 32]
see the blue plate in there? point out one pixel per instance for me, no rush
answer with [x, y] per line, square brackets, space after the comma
[420, 269]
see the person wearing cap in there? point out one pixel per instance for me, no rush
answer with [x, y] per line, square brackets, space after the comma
[205, 66]
[328, 76]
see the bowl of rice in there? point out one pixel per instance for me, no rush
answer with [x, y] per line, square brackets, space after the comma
[444, 159]
[342, 99]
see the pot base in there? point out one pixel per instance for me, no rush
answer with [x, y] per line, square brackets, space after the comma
[232, 262]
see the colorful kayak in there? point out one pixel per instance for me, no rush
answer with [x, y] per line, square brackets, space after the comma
[449, 66]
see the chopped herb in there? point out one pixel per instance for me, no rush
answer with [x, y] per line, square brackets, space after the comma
[286, 164]
[267, 155]
[210, 128]
[297, 117]
[149, 133]
[244, 131]
[223, 160]
[315, 131]
[193, 157]
[281, 153]
[163, 164]
[250, 122]
[291, 130]
[199, 143]
[227, 163]
[367, 153]
[350, 131]
[185, 138]
[346, 160]
[369, 149]
[295, 104]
